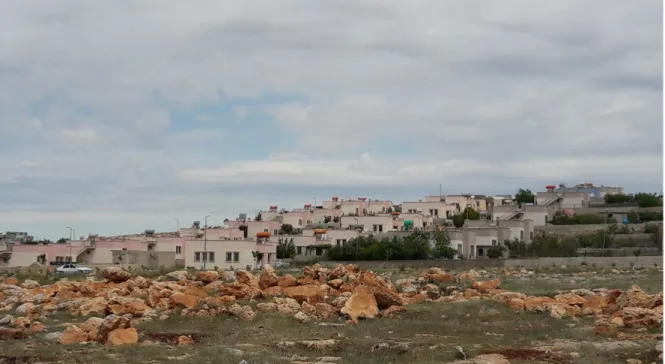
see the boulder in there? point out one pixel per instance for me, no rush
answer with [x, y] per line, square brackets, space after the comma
[94, 306]
[111, 323]
[207, 276]
[116, 274]
[268, 277]
[180, 299]
[244, 277]
[122, 337]
[73, 335]
[176, 276]
[486, 286]
[361, 304]
[311, 293]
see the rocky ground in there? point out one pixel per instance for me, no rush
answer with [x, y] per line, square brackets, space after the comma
[336, 315]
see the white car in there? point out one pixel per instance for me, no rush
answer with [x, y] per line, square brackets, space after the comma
[281, 264]
[73, 269]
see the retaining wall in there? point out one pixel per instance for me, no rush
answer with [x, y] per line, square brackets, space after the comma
[580, 228]
[642, 261]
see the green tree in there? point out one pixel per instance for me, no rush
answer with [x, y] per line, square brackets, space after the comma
[286, 229]
[619, 199]
[525, 196]
[336, 219]
[62, 241]
[286, 248]
[327, 219]
[470, 214]
[458, 220]
[442, 248]
[258, 217]
[633, 217]
[648, 199]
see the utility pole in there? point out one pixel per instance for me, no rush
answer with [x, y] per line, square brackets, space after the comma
[71, 234]
[604, 230]
[177, 226]
[314, 201]
[205, 241]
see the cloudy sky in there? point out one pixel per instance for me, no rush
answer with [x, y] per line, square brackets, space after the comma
[116, 116]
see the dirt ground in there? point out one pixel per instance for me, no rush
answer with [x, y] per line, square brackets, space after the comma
[424, 333]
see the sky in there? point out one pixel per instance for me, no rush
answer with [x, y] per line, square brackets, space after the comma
[120, 116]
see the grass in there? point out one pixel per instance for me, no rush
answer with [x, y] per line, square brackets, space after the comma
[544, 283]
[426, 333]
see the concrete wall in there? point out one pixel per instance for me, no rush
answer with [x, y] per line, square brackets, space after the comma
[621, 262]
[149, 259]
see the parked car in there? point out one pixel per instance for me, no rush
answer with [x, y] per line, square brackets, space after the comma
[73, 269]
[279, 263]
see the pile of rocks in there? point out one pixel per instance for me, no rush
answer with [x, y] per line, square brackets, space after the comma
[316, 293]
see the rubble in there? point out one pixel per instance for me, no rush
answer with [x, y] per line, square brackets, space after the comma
[316, 293]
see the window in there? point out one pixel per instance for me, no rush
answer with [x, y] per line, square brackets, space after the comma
[299, 222]
[299, 250]
[197, 257]
[377, 227]
[236, 257]
[232, 257]
[229, 257]
[480, 252]
[521, 234]
[531, 234]
[211, 256]
[178, 249]
[319, 251]
[265, 230]
[493, 242]
[339, 242]
[274, 232]
[459, 248]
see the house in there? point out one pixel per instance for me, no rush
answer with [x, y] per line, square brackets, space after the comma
[437, 209]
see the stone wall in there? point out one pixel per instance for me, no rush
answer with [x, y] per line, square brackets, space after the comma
[642, 261]
[579, 228]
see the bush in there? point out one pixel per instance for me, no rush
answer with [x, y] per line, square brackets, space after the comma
[414, 246]
[650, 228]
[495, 252]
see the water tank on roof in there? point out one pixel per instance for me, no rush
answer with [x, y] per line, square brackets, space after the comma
[408, 223]
[150, 232]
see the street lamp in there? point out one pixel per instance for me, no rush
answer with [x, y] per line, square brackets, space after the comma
[205, 241]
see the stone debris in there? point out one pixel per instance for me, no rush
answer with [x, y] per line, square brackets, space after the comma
[317, 293]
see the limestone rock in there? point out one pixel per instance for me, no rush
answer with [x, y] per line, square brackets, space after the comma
[116, 274]
[122, 337]
[362, 304]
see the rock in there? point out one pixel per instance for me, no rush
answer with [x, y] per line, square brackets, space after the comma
[268, 277]
[6, 319]
[184, 340]
[486, 286]
[11, 334]
[52, 336]
[247, 313]
[111, 323]
[636, 297]
[311, 293]
[558, 311]
[633, 361]
[207, 276]
[266, 307]
[116, 274]
[570, 299]
[91, 327]
[11, 281]
[617, 322]
[73, 335]
[640, 317]
[25, 308]
[176, 276]
[244, 277]
[122, 337]
[184, 300]
[20, 322]
[287, 280]
[29, 284]
[362, 304]
[301, 317]
[95, 306]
